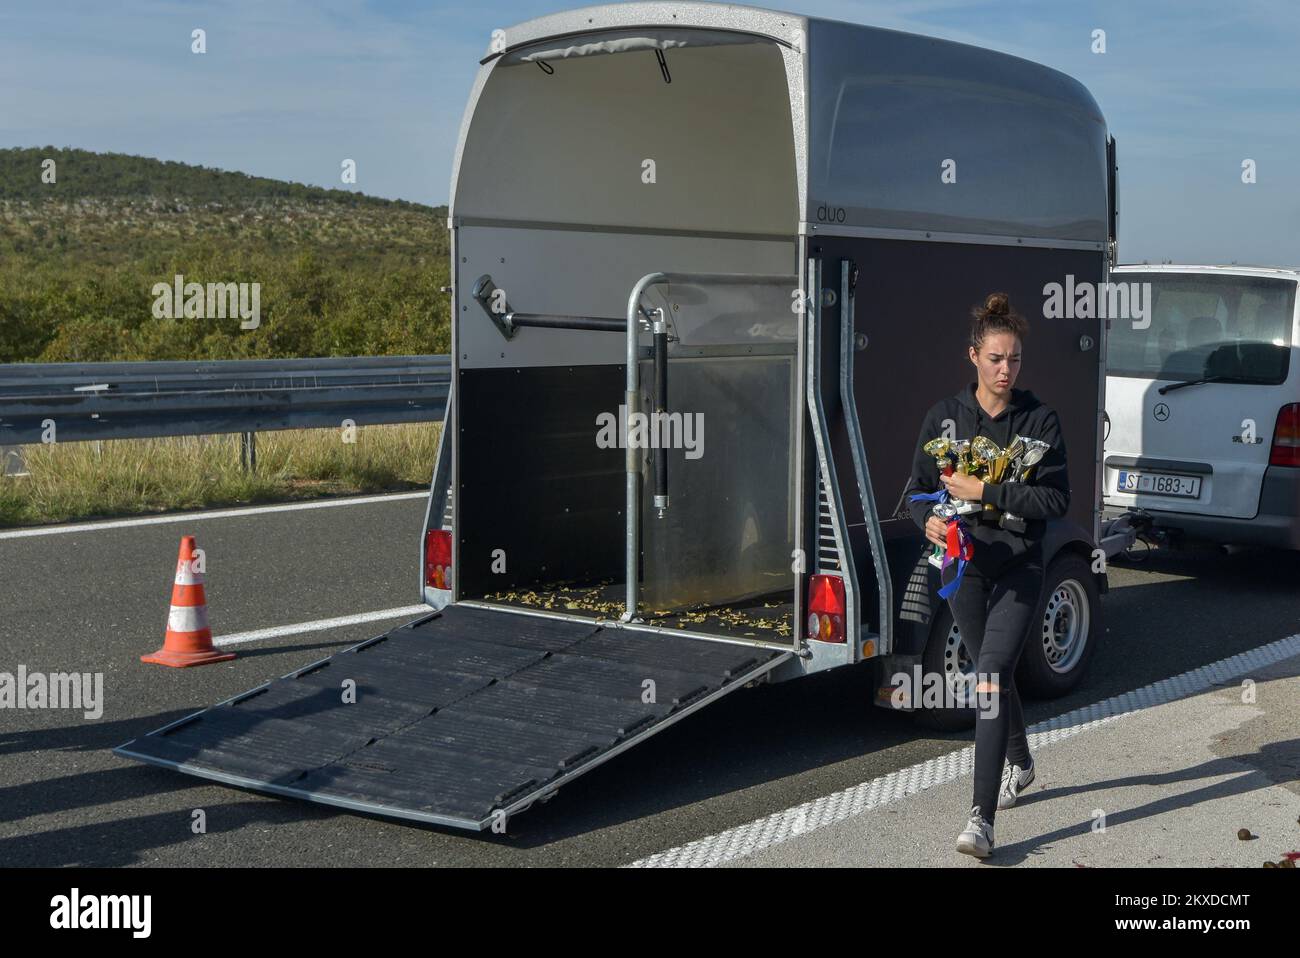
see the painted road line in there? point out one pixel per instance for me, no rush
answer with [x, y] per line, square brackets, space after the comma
[745, 840]
[210, 514]
[321, 625]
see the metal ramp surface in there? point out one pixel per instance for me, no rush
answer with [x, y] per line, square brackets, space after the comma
[458, 717]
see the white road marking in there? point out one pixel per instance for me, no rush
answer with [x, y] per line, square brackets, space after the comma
[210, 514]
[320, 625]
[744, 840]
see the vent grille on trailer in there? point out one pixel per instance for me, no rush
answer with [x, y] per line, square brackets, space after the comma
[828, 554]
[446, 512]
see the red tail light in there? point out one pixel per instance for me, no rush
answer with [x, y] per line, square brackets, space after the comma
[437, 559]
[1286, 437]
[826, 608]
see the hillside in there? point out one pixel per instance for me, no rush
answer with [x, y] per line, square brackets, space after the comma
[341, 273]
[83, 174]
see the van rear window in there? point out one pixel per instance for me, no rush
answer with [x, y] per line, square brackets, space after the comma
[1233, 328]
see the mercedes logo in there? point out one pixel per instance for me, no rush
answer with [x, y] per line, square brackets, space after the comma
[1161, 412]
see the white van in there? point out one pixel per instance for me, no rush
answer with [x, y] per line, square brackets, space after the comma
[1202, 419]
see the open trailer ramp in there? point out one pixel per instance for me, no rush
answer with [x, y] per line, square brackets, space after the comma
[457, 716]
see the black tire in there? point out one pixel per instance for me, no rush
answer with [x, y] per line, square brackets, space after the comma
[1065, 631]
[1069, 587]
[945, 655]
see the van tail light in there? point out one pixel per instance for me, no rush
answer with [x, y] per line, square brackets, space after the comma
[437, 559]
[826, 608]
[1286, 437]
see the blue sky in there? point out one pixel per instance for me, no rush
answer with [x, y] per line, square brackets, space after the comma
[288, 88]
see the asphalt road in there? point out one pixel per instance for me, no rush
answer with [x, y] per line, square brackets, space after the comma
[94, 601]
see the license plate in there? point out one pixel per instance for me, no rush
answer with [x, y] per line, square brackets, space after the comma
[1158, 484]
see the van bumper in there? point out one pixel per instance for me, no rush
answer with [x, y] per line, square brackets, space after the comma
[1276, 525]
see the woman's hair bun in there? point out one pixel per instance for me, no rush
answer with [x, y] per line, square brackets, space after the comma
[996, 316]
[997, 304]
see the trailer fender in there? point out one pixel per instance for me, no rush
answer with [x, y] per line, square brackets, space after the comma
[1062, 535]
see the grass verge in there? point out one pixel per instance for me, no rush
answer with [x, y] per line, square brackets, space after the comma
[84, 480]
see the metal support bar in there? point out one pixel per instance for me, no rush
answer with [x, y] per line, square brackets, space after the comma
[599, 324]
[248, 452]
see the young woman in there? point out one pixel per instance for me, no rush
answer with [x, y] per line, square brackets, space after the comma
[1000, 588]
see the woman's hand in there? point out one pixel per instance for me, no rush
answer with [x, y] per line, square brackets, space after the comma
[962, 486]
[936, 530]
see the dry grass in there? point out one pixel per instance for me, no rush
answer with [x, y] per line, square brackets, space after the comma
[82, 480]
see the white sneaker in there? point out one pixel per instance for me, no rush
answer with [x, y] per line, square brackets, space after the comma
[1014, 781]
[977, 839]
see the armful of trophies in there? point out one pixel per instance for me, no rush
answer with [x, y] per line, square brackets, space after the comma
[980, 457]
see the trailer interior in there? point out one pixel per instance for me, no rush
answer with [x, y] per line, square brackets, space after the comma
[686, 149]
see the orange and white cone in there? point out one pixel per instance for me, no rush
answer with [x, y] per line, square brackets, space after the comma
[188, 640]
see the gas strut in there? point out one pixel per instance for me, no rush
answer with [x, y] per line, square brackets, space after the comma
[660, 327]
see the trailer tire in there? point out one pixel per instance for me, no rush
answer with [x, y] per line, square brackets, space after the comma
[945, 655]
[1066, 630]
[1064, 634]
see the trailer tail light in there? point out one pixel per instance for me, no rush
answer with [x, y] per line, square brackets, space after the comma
[1286, 437]
[437, 559]
[826, 608]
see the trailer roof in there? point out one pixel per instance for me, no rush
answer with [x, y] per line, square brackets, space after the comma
[894, 133]
[686, 14]
[1234, 269]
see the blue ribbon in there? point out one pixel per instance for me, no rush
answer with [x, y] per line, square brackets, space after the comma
[939, 496]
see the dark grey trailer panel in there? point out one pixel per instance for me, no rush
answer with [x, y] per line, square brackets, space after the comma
[458, 717]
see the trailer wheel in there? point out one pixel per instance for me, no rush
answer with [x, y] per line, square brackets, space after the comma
[1065, 632]
[945, 655]
[1063, 636]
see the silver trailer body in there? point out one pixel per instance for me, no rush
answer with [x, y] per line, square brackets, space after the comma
[604, 144]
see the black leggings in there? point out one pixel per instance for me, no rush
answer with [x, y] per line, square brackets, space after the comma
[994, 618]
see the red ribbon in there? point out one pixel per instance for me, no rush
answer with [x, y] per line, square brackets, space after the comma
[961, 548]
[960, 544]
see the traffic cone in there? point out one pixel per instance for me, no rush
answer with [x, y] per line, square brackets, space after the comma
[188, 640]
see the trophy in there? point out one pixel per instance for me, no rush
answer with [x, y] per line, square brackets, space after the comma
[1030, 453]
[955, 456]
[979, 457]
[969, 463]
[944, 458]
[986, 453]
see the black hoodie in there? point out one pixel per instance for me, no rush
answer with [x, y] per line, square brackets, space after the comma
[1045, 496]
